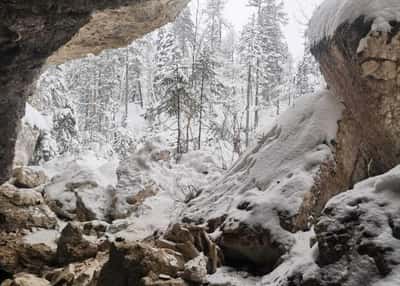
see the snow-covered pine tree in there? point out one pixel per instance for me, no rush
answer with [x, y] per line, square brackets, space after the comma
[308, 77]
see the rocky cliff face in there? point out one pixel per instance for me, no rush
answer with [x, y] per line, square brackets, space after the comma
[361, 68]
[31, 31]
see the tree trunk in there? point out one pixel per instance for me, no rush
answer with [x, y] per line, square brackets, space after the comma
[248, 98]
[256, 104]
[140, 94]
[201, 108]
[126, 93]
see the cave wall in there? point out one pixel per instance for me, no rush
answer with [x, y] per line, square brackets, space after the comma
[32, 31]
[362, 68]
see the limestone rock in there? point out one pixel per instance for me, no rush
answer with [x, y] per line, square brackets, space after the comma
[129, 263]
[78, 274]
[77, 194]
[250, 246]
[35, 258]
[196, 270]
[22, 197]
[357, 236]
[26, 177]
[23, 209]
[191, 241]
[25, 279]
[361, 67]
[73, 247]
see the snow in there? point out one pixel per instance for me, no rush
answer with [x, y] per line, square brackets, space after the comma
[331, 14]
[273, 176]
[42, 236]
[378, 200]
[299, 259]
[231, 277]
[35, 119]
[172, 182]
[92, 176]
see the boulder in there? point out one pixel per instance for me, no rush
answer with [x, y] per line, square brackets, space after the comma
[34, 258]
[78, 274]
[77, 194]
[195, 270]
[252, 248]
[130, 263]
[24, 209]
[26, 177]
[358, 239]
[191, 241]
[73, 247]
[25, 279]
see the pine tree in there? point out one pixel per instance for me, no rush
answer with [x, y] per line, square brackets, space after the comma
[308, 76]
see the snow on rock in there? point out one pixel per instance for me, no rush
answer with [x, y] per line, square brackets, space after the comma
[42, 236]
[32, 125]
[226, 276]
[331, 14]
[153, 188]
[80, 187]
[358, 237]
[264, 190]
[275, 173]
[35, 119]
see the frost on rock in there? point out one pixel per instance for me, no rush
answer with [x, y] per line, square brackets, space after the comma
[263, 191]
[331, 14]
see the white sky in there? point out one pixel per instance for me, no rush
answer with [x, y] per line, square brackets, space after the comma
[299, 11]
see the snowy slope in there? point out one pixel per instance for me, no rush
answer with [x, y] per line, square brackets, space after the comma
[333, 13]
[274, 175]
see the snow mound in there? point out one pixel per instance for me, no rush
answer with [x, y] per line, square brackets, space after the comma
[80, 187]
[270, 180]
[153, 188]
[35, 119]
[331, 14]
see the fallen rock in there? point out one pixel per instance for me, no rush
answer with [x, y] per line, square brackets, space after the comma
[196, 270]
[22, 197]
[78, 274]
[26, 177]
[73, 247]
[252, 248]
[25, 279]
[35, 258]
[78, 194]
[24, 209]
[130, 263]
[191, 241]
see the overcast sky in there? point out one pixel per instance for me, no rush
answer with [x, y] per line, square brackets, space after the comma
[299, 11]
